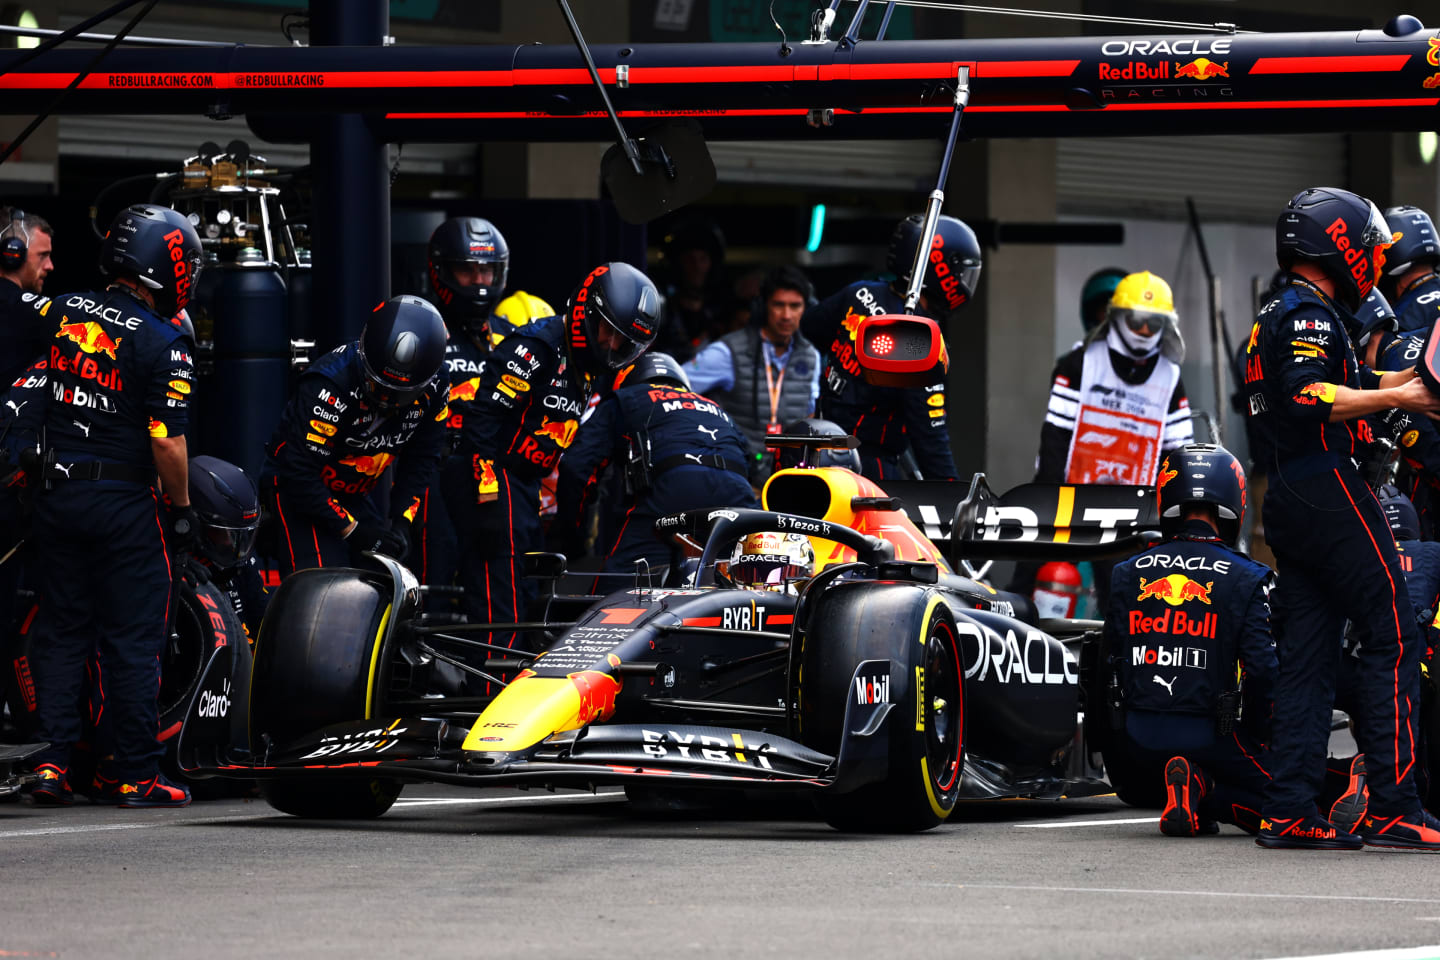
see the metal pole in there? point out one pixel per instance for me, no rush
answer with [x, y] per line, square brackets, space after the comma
[937, 196]
[1219, 344]
[852, 32]
[8, 30]
[351, 198]
[626, 143]
[885, 20]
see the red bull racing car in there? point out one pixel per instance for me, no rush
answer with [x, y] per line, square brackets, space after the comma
[886, 685]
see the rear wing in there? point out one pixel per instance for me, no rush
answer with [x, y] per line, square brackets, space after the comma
[1052, 521]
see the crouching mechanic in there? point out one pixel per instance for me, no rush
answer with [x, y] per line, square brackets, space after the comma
[363, 406]
[119, 379]
[227, 510]
[679, 451]
[1182, 616]
[521, 415]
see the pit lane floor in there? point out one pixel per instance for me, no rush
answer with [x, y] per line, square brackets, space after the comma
[457, 873]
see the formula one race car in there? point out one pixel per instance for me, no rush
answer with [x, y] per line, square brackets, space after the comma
[886, 685]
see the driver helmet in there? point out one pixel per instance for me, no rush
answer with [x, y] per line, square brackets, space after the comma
[772, 561]
[228, 510]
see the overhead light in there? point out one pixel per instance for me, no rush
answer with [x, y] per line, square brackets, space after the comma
[1427, 142]
[27, 20]
[817, 227]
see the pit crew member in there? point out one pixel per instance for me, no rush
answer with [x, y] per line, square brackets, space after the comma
[1182, 615]
[1411, 280]
[520, 416]
[678, 450]
[360, 408]
[890, 420]
[119, 380]
[1336, 557]
[227, 511]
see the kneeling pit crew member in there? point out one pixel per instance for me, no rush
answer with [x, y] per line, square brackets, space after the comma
[889, 420]
[678, 450]
[523, 412]
[119, 382]
[365, 405]
[1335, 555]
[1182, 616]
[227, 511]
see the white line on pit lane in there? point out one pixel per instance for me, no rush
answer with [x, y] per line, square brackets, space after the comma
[1131, 891]
[1394, 953]
[520, 801]
[1082, 823]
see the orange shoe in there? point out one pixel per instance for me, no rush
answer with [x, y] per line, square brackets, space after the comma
[1304, 833]
[52, 788]
[1413, 831]
[1347, 812]
[1181, 817]
[155, 792]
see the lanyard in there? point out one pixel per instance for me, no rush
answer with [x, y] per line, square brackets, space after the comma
[773, 384]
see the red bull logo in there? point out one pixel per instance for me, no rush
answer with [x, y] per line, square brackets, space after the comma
[851, 322]
[465, 391]
[1175, 590]
[1166, 474]
[1365, 269]
[1202, 68]
[90, 337]
[1324, 392]
[369, 465]
[1432, 57]
[949, 283]
[175, 241]
[597, 694]
[560, 431]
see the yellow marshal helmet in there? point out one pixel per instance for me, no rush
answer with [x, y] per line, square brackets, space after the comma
[1141, 310]
[772, 561]
[514, 312]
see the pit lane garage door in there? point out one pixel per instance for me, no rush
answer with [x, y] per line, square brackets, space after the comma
[1241, 179]
[896, 165]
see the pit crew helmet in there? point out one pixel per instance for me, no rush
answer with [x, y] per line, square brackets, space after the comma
[460, 250]
[1096, 293]
[611, 319]
[772, 561]
[1201, 473]
[1374, 318]
[158, 248]
[1399, 512]
[228, 509]
[804, 457]
[514, 312]
[1141, 312]
[952, 274]
[1415, 240]
[1340, 232]
[654, 367]
[402, 350]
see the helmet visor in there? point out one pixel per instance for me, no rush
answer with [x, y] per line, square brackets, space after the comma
[766, 571]
[227, 546]
[386, 394]
[613, 347]
[1377, 238]
[1143, 323]
[465, 275]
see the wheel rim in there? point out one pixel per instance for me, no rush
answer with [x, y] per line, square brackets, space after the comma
[945, 707]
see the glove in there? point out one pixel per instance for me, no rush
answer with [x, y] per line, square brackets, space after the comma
[400, 531]
[369, 537]
[193, 572]
[184, 529]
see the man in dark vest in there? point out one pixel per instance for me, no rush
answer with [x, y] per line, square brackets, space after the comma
[766, 374]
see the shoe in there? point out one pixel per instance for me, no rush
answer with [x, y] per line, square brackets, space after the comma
[154, 792]
[104, 790]
[1305, 833]
[1413, 831]
[52, 788]
[1347, 812]
[1181, 817]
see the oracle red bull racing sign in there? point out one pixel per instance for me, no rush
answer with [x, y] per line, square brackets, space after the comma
[1175, 590]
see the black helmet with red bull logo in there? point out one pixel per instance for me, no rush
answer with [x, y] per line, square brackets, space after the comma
[1340, 232]
[468, 262]
[402, 349]
[158, 248]
[654, 367]
[1415, 241]
[1399, 512]
[611, 319]
[1201, 473]
[228, 509]
[1374, 318]
[952, 274]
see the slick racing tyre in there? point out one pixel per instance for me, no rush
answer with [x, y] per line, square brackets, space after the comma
[317, 662]
[913, 629]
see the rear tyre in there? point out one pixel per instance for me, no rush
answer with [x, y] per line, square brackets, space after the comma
[317, 662]
[915, 631]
